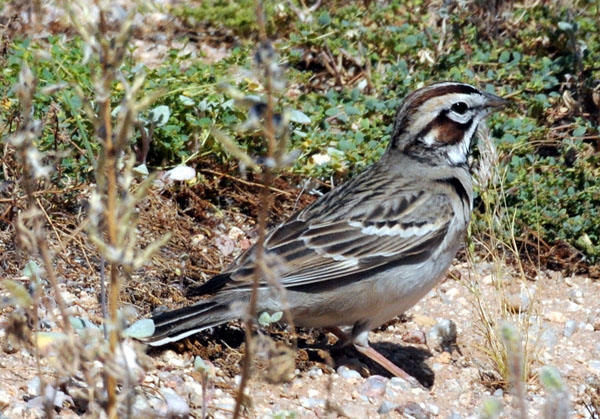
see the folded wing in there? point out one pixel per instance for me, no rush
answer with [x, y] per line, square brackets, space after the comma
[312, 251]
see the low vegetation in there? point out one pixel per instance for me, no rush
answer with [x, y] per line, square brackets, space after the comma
[347, 66]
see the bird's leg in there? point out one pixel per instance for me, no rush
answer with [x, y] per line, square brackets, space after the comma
[361, 343]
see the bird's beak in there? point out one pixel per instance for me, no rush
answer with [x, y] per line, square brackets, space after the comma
[493, 101]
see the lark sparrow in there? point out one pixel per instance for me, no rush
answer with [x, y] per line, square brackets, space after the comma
[371, 248]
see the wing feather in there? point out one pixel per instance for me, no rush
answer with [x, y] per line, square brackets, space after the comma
[346, 245]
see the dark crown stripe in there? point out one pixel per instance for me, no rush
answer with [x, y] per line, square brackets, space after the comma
[440, 89]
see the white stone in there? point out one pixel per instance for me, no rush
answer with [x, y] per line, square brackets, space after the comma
[4, 399]
[594, 366]
[452, 292]
[555, 316]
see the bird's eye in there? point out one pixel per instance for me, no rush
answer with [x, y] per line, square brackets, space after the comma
[460, 108]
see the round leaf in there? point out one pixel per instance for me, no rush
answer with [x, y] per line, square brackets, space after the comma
[159, 115]
[299, 117]
[264, 319]
[186, 101]
[141, 329]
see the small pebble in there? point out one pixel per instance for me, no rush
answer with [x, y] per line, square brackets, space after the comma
[347, 373]
[412, 409]
[194, 391]
[140, 408]
[313, 392]
[172, 359]
[437, 367]
[4, 399]
[499, 393]
[177, 407]
[444, 358]
[452, 292]
[355, 411]
[576, 296]
[443, 335]
[414, 336]
[433, 409]
[374, 386]
[312, 402]
[555, 316]
[225, 403]
[594, 366]
[18, 409]
[318, 372]
[570, 328]
[549, 338]
[423, 321]
[33, 386]
[386, 407]
[487, 279]
[517, 302]
[398, 383]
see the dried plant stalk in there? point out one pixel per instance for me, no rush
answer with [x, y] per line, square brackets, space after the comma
[113, 217]
[275, 153]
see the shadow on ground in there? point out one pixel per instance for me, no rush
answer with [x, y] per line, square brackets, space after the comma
[224, 346]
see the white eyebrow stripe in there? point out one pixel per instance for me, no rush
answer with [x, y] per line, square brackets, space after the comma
[431, 108]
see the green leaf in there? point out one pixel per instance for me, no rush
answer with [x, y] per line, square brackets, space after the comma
[32, 270]
[275, 317]
[44, 340]
[141, 329]
[324, 19]
[504, 57]
[186, 101]
[490, 408]
[204, 367]
[159, 115]
[411, 40]
[79, 323]
[332, 111]
[141, 170]
[264, 319]
[565, 26]
[579, 131]
[551, 379]
[18, 292]
[299, 117]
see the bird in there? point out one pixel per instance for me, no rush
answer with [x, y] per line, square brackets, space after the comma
[372, 247]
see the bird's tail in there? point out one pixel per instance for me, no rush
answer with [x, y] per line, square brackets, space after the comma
[178, 324]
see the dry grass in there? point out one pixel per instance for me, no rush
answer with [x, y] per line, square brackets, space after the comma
[513, 302]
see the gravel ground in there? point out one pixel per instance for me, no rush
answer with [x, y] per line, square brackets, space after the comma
[567, 332]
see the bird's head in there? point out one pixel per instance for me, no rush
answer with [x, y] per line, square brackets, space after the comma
[437, 123]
